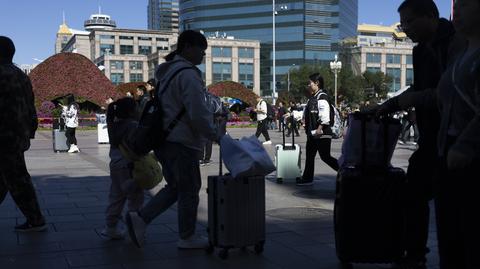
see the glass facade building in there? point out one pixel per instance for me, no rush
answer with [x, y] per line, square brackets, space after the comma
[307, 31]
[163, 15]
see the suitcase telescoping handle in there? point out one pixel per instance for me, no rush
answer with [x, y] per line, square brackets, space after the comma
[292, 121]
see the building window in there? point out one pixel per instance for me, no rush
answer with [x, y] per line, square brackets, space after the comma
[245, 74]
[136, 65]
[394, 73]
[107, 37]
[162, 48]
[202, 68]
[162, 39]
[144, 38]
[107, 47]
[374, 69]
[136, 77]
[117, 78]
[245, 53]
[145, 50]
[394, 59]
[126, 49]
[116, 65]
[409, 77]
[221, 52]
[409, 59]
[126, 37]
[374, 58]
[222, 72]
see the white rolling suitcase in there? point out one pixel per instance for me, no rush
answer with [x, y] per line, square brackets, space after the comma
[288, 161]
[59, 140]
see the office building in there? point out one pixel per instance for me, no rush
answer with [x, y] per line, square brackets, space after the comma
[306, 31]
[163, 15]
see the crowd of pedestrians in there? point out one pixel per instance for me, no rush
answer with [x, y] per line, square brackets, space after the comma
[442, 106]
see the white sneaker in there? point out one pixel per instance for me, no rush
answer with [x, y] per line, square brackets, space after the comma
[269, 142]
[194, 242]
[113, 233]
[136, 228]
[73, 149]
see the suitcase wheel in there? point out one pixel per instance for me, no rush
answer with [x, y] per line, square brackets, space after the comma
[259, 247]
[223, 254]
[209, 249]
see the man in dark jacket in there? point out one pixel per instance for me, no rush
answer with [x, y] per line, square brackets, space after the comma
[436, 39]
[143, 97]
[18, 123]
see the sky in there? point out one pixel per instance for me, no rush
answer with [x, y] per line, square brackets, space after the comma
[33, 24]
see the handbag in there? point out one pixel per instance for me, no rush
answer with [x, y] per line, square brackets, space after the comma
[147, 172]
[369, 141]
[245, 157]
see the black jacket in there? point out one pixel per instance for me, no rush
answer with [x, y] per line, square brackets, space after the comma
[430, 60]
[311, 115]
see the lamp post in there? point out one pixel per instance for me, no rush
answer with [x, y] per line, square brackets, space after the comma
[274, 12]
[288, 79]
[336, 66]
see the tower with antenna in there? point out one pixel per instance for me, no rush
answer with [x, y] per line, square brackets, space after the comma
[99, 21]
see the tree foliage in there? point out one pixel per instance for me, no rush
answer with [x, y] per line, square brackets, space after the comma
[351, 89]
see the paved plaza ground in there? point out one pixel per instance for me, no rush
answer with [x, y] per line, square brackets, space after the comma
[73, 191]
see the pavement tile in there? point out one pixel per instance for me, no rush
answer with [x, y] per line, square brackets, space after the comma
[108, 256]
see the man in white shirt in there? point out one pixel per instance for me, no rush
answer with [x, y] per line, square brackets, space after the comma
[262, 127]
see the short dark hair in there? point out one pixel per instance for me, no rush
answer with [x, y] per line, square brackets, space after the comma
[421, 7]
[7, 49]
[190, 37]
[142, 88]
[317, 78]
[151, 82]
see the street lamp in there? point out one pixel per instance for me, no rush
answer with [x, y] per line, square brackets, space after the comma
[288, 78]
[336, 66]
[274, 12]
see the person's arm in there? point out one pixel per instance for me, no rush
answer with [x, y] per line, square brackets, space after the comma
[263, 107]
[195, 102]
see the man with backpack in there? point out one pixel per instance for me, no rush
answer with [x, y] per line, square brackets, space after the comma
[262, 120]
[318, 119]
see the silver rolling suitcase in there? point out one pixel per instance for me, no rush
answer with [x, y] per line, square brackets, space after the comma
[288, 161]
[236, 213]
[102, 133]
[59, 140]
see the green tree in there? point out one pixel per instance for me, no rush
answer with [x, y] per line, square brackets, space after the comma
[379, 83]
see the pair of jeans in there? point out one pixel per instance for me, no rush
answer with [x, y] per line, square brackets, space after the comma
[181, 171]
[322, 146]
[262, 128]
[14, 178]
[206, 154]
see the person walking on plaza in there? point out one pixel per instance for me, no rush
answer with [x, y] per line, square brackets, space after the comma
[120, 121]
[262, 121]
[292, 121]
[70, 113]
[317, 127]
[436, 43]
[178, 154]
[280, 113]
[18, 123]
[409, 120]
[457, 202]
[142, 98]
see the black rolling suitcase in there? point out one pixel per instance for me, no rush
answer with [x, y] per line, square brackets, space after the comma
[236, 212]
[368, 213]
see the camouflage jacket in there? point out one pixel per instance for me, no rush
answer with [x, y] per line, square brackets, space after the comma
[18, 118]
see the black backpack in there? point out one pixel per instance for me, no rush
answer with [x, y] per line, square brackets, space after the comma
[149, 133]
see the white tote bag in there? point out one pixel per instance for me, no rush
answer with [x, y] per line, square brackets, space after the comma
[245, 157]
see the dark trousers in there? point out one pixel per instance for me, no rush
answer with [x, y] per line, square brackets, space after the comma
[292, 125]
[206, 154]
[457, 203]
[182, 172]
[14, 178]
[405, 135]
[322, 146]
[419, 190]
[70, 134]
[262, 128]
